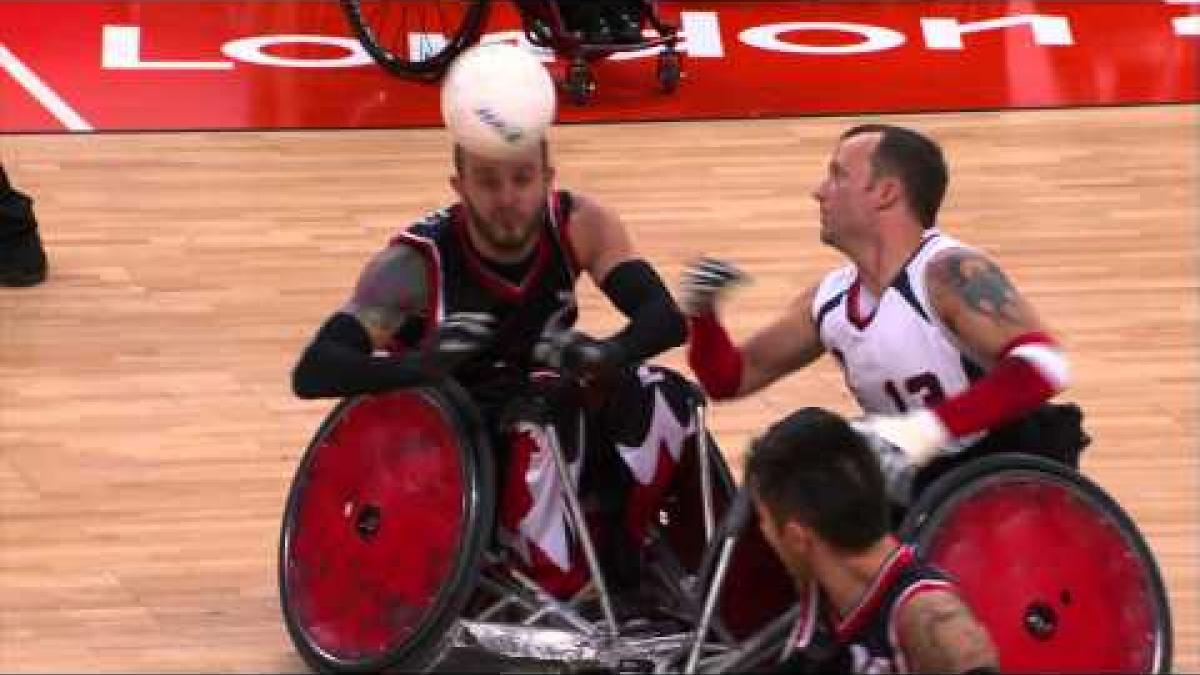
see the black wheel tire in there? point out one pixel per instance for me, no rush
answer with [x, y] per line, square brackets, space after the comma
[1040, 510]
[424, 626]
[383, 28]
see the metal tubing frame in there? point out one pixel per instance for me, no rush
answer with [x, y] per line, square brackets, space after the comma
[706, 493]
[576, 511]
[710, 603]
[734, 660]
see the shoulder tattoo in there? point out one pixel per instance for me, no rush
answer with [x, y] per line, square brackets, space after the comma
[946, 637]
[980, 284]
[392, 288]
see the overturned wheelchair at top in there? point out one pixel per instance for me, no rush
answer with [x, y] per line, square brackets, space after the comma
[389, 560]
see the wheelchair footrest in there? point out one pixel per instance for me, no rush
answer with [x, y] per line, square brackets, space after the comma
[594, 651]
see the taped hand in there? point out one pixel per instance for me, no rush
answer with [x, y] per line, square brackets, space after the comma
[576, 353]
[705, 282]
[459, 337]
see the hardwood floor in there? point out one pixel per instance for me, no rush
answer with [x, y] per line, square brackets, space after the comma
[148, 434]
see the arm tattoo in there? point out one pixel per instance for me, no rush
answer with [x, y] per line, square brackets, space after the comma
[981, 285]
[391, 289]
[946, 637]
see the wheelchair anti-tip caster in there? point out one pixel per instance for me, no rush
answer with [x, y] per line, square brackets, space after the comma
[670, 70]
[580, 84]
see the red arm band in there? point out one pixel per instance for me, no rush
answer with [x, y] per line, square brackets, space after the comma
[713, 357]
[1031, 370]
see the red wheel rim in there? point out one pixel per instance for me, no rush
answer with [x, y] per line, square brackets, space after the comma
[378, 527]
[1075, 596]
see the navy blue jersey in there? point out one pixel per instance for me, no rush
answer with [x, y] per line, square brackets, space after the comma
[865, 640]
[525, 299]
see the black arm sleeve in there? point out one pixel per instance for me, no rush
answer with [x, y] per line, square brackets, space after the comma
[339, 363]
[655, 322]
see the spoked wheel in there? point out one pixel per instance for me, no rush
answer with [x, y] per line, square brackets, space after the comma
[416, 38]
[384, 529]
[1052, 565]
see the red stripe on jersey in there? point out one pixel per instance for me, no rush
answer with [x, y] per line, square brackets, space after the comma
[560, 220]
[433, 279]
[489, 279]
[873, 597]
[853, 309]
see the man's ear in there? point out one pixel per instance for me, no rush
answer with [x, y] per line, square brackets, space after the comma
[765, 519]
[889, 192]
[796, 535]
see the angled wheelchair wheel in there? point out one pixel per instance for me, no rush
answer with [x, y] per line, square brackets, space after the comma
[384, 529]
[416, 39]
[1052, 566]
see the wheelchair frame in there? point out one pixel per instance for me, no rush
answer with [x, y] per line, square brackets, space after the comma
[601, 640]
[490, 609]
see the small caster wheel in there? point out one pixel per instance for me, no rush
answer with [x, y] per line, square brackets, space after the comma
[670, 70]
[580, 83]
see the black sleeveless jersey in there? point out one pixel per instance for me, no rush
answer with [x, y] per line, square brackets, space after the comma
[865, 640]
[461, 280]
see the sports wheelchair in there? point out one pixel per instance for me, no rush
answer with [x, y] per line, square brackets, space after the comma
[420, 39]
[388, 561]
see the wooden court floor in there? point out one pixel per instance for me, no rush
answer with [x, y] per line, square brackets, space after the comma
[148, 434]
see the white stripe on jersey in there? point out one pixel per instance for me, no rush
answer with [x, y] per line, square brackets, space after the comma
[806, 622]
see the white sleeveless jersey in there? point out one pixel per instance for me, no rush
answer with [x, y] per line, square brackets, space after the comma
[896, 356]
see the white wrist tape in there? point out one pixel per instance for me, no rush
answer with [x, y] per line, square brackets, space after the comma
[919, 434]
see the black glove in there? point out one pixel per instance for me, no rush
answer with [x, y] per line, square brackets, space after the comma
[457, 339]
[578, 354]
[704, 282]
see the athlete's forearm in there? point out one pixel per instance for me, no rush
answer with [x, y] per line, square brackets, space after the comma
[339, 363]
[655, 322]
[1031, 370]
